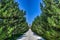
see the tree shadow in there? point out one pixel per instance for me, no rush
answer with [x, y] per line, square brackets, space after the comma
[22, 36]
[39, 36]
[41, 39]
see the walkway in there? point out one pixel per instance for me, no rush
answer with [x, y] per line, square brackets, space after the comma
[29, 36]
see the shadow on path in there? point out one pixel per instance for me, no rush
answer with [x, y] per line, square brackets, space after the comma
[29, 35]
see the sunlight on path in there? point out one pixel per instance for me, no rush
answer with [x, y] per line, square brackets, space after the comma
[29, 36]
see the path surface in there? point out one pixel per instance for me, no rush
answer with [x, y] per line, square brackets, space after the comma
[29, 36]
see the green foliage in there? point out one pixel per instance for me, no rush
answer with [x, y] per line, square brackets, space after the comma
[12, 20]
[47, 24]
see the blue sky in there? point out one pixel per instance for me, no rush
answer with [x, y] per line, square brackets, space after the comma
[32, 8]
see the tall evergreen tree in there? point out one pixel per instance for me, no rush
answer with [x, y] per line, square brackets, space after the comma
[12, 20]
[48, 24]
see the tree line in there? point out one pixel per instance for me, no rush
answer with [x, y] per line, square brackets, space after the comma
[47, 25]
[12, 20]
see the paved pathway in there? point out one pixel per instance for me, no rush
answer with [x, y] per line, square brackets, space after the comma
[29, 36]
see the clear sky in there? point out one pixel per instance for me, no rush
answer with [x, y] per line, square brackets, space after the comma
[32, 8]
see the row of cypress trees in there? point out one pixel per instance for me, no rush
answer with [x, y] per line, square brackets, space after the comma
[47, 24]
[12, 20]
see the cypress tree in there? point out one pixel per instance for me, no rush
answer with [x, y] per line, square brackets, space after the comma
[12, 20]
[48, 25]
